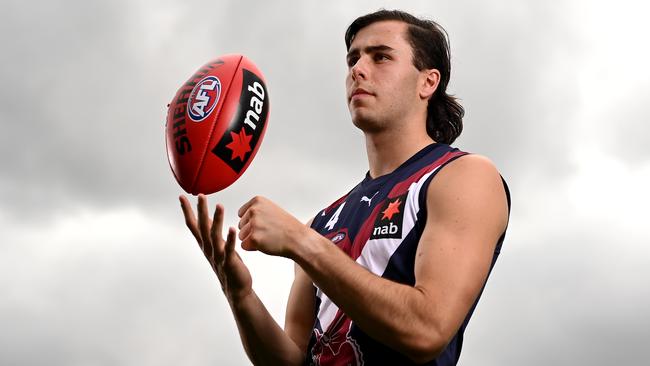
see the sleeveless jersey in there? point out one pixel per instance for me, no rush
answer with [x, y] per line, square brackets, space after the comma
[379, 224]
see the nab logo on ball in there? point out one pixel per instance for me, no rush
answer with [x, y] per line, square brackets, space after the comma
[203, 99]
[246, 127]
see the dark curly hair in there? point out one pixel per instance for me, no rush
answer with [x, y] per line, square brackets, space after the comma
[430, 45]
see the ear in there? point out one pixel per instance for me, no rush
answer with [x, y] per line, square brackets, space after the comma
[429, 82]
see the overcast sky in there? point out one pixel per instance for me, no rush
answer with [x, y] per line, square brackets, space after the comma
[97, 267]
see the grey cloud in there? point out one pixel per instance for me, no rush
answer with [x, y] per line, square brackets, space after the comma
[82, 106]
[104, 301]
[625, 130]
[516, 77]
[97, 138]
[571, 296]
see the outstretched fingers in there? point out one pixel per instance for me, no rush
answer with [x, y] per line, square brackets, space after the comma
[216, 233]
[190, 219]
[230, 242]
[204, 225]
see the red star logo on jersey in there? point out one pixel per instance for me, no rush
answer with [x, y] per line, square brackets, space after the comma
[240, 144]
[391, 210]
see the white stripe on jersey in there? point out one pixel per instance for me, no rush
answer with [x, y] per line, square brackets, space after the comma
[377, 252]
[327, 310]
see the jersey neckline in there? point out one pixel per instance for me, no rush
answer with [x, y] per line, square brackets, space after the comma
[368, 181]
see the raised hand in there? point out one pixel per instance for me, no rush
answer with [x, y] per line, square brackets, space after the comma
[234, 276]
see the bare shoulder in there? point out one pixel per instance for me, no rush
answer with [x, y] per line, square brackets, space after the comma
[469, 183]
[471, 166]
[465, 172]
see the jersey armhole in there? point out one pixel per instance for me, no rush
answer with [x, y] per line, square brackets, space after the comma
[422, 199]
[423, 202]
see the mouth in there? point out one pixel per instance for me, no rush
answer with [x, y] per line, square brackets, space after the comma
[359, 93]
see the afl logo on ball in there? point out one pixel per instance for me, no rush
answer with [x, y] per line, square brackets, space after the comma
[203, 99]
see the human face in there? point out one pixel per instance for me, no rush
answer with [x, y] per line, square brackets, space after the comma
[382, 81]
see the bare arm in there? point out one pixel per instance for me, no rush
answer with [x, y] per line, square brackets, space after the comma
[300, 315]
[467, 212]
[263, 339]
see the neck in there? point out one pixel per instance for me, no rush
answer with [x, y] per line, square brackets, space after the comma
[387, 150]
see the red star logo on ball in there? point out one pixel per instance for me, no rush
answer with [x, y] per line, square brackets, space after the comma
[391, 210]
[240, 144]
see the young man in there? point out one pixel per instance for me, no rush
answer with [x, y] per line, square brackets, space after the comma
[390, 273]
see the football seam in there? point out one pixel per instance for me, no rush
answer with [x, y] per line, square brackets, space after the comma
[207, 144]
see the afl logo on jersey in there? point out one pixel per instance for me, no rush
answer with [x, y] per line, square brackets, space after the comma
[203, 99]
[338, 237]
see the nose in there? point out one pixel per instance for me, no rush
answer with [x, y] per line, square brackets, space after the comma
[358, 70]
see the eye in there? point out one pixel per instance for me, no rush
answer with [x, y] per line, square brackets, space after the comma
[381, 57]
[352, 60]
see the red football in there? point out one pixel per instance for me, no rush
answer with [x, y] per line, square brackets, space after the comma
[215, 124]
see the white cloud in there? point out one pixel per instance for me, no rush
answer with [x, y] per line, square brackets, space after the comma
[117, 287]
